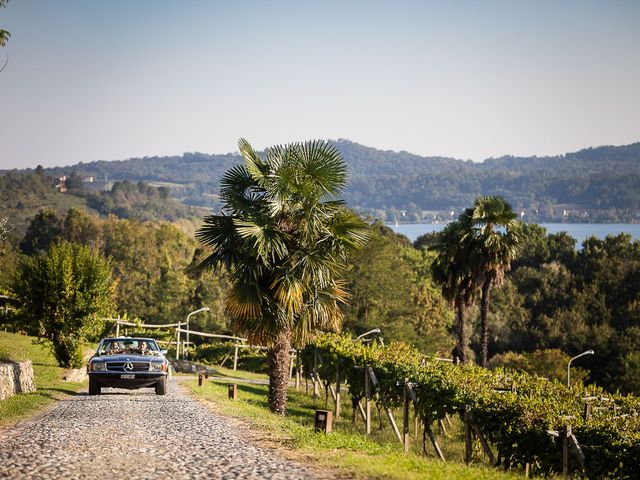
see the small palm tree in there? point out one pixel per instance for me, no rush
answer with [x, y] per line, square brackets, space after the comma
[493, 234]
[453, 269]
[285, 238]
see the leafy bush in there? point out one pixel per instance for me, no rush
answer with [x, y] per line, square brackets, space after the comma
[63, 294]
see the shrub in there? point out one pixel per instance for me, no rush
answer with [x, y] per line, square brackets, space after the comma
[64, 293]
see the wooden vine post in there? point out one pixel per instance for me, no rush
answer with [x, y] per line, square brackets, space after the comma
[314, 375]
[235, 358]
[387, 410]
[367, 401]
[468, 441]
[565, 450]
[405, 415]
[427, 424]
[483, 441]
[337, 409]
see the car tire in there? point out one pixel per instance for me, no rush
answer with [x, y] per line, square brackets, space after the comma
[94, 387]
[161, 387]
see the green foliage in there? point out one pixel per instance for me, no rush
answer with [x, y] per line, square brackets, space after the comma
[514, 410]
[45, 229]
[559, 298]
[139, 201]
[63, 293]
[392, 290]
[550, 363]
[455, 271]
[154, 263]
[494, 242]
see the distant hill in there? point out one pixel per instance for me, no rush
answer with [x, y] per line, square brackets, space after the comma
[594, 184]
[23, 195]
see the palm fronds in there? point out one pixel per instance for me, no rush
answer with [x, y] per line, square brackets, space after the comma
[284, 237]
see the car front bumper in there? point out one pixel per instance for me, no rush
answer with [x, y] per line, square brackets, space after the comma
[140, 380]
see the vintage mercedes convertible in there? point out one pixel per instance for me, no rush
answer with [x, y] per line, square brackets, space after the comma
[126, 362]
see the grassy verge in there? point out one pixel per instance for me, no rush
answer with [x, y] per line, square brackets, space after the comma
[230, 373]
[346, 449]
[49, 383]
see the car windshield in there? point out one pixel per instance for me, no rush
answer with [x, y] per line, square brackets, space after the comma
[131, 346]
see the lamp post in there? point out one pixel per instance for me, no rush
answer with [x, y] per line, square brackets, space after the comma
[588, 352]
[375, 330]
[203, 309]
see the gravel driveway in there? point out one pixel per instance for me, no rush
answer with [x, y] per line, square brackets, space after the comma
[134, 435]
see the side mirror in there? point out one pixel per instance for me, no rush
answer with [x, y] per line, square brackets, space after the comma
[164, 352]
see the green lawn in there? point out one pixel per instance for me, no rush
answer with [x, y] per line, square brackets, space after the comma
[347, 449]
[49, 383]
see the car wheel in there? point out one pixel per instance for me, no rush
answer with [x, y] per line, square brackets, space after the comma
[161, 387]
[94, 387]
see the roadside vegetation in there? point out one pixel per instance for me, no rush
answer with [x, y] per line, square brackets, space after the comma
[347, 450]
[48, 376]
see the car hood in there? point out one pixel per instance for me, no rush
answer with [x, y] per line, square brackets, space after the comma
[128, 357]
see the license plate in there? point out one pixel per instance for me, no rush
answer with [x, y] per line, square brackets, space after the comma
[128, 376]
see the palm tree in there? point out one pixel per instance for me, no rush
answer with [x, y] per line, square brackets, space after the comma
[494, 235]
[284, 237]
[453, 270]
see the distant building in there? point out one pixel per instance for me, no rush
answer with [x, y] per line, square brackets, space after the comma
[61, 184]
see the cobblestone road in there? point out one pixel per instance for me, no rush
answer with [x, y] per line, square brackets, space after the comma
[136, 435]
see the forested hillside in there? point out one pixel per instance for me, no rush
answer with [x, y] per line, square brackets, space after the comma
[23, 195]
[594, 184]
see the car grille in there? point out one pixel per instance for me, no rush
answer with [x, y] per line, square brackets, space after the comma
[119, 367]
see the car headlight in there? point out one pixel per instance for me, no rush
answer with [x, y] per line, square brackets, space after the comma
[157, 367]
[98, 366]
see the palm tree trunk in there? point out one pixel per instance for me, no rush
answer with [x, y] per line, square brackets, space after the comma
[462, 341]
[278, 365]
[484, 321]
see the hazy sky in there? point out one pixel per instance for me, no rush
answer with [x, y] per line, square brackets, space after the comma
[91, 80]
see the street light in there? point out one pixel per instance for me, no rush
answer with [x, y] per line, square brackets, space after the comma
[588, 352]
[375, 330]
[203, 309]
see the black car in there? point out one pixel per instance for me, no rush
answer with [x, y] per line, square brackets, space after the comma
[126, 362]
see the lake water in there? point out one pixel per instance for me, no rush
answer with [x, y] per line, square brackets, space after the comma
[579, 231]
